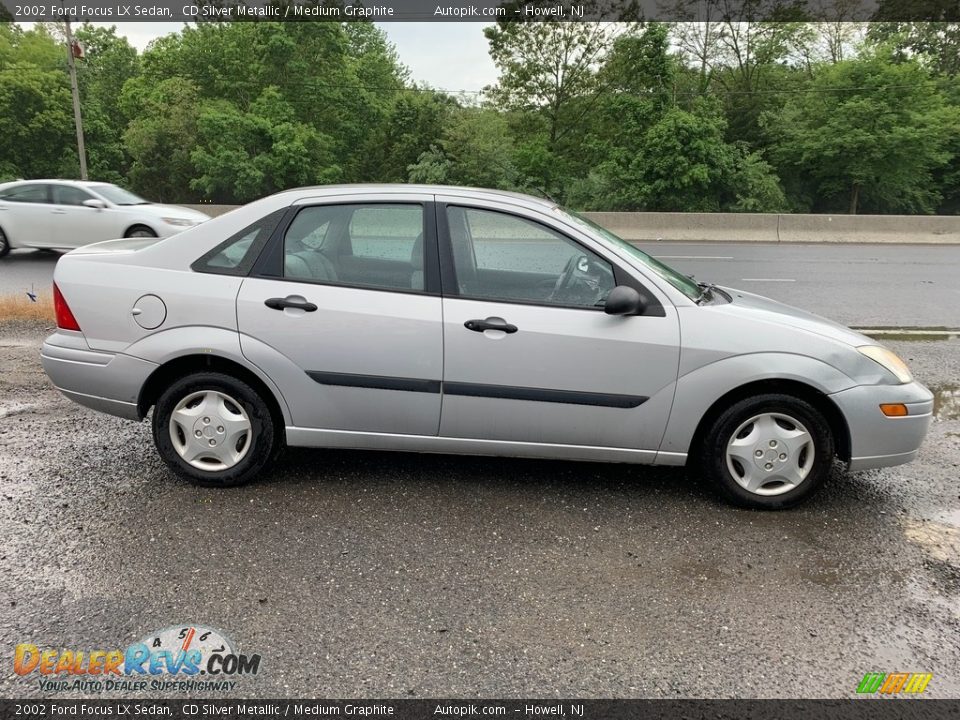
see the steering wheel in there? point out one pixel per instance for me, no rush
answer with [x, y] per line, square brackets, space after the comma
[566, 277]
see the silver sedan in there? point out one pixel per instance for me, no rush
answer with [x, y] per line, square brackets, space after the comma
[455, 320]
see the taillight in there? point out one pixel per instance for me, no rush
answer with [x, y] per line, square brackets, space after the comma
[65, 318]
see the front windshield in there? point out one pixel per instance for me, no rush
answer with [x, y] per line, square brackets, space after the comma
[119, 196]
[681, 282]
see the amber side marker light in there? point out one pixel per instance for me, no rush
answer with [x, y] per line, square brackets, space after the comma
[894, 409]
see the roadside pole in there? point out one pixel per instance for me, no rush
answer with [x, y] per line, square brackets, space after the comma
[77, 118]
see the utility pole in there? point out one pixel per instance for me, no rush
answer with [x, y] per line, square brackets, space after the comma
[77, 118]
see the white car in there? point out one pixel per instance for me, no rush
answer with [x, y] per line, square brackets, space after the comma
[65, 214]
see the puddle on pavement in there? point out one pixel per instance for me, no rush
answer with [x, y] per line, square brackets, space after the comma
[950, 517]
[946, 402]
[16, 408]
[938, 540]
[894, 334]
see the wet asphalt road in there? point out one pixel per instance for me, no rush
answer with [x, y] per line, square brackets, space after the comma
[389, 575]
[862, 285]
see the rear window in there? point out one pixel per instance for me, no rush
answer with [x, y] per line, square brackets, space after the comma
[33, 193]
[237, 254]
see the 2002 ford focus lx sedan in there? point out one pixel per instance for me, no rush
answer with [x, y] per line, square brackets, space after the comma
[454, 320]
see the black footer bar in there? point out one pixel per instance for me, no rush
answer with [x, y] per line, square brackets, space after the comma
[417, 709]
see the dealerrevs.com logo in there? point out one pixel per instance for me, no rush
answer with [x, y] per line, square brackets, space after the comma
[183, 658]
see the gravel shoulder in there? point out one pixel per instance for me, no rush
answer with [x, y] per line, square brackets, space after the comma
[396, 575]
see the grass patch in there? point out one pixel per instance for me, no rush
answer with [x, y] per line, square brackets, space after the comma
[19, 307]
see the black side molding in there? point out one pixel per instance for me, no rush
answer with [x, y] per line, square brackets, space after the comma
[569, 397]
[501, 392]
[376, 382]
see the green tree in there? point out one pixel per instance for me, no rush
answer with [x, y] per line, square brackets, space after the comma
[868, 135]
[161, 136]
[243, 155]
[36, 122]
[476, 149]
[108, 63]
[547, 84]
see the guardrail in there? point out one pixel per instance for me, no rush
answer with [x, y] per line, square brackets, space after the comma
[763, 227]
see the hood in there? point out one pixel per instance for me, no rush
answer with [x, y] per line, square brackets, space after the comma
[174, 211]
[763, 308]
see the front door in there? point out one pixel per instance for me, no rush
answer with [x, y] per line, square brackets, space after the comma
[73, 224]
[529, 354]
[348, 320]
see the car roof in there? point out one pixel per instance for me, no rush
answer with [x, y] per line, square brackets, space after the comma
[313, 191]
[59, 181]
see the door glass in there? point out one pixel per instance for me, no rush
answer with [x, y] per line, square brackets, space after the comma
[67, 195]
[374, 245]
[27, 194]
[505, 257]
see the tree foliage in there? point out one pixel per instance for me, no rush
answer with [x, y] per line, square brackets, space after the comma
[711, 114]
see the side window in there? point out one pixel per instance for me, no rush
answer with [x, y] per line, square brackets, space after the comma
[67, 195]
[504, 257]
[237, 254]
[35, 193]
[370, 245]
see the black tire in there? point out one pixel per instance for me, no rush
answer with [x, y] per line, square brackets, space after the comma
[711, 464]
[4, 244]
[263, 438]
[139, 231]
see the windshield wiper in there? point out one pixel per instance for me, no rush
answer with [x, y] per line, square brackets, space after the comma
[706, 291]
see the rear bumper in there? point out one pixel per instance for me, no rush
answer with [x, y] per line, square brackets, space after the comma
[880, 441]
[107, 382]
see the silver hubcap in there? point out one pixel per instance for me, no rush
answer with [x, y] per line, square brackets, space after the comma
[210, 430]
[770, 454]
[142, 234]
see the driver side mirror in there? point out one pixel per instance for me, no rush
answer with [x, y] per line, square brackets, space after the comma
[95, 204]
[624, 300]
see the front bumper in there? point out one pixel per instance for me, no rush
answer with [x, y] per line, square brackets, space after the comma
[880, 441]
[108, 382]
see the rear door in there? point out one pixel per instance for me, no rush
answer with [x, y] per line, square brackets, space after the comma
[529, 354]
[343, 312]
[25, 215]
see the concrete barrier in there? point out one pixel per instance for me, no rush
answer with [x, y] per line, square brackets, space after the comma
[212, 210]
[938, 229]
[697, 227]
[762, 227]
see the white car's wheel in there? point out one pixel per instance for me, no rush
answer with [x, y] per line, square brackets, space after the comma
[4, 243]
[213, 430]
[140, 231]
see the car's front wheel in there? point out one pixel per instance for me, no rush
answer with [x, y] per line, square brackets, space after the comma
[140, 231]
[214, 430]
[4, 244]
[768, 452]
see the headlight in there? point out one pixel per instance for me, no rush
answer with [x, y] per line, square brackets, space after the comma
[180, 222]
[889, 360]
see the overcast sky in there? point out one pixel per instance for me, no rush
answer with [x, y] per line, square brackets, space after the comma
[449, 56]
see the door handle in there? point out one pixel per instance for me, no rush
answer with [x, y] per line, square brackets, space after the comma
[481, 325]
[58, 212]
[281, 303]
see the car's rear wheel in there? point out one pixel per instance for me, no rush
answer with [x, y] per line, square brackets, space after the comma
[140, 231]
[214, 430]
[767, 452]
[4, 244]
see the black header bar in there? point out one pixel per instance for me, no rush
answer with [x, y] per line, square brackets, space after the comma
[483, 11]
